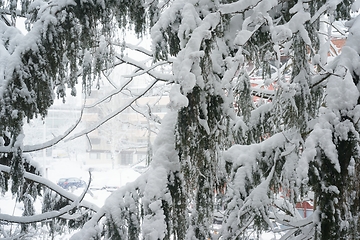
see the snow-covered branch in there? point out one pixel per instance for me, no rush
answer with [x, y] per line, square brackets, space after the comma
[239, 7]
[47, 144]
[149, 115]
[43, 217]
[109, 95]
[62, 192]
[145, 196]
[145, 69]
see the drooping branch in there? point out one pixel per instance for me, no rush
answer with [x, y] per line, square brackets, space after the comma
[37, 218]
[47, 144]
[49, 184]
[133, 203]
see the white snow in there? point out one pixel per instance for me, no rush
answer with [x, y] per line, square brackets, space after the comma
[242, 37]
[150, 190]
[342, 93]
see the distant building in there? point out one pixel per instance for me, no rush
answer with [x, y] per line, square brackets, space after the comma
[305, 208]
[337, 44]
[61, 116]
[126, 139]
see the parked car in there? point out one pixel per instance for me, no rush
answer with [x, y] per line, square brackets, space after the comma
[73, 182]
[140, 169]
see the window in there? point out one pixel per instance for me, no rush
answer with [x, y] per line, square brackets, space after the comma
[126, 158]
[94, 155]
[95, 140]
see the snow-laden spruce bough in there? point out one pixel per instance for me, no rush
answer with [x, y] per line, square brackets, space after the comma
[260, 158]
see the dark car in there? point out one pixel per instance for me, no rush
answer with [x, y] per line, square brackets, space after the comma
[69, 183]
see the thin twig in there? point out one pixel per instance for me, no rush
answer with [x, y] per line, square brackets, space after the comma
[113, 114]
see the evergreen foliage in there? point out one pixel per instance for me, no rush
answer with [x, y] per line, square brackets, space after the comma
[215, 140]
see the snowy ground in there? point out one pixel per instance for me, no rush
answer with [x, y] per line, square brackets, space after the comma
[102, 176]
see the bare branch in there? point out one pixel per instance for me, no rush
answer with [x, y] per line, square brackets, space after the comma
[113, 114]
[149, 116]
[138, 49]
[109, 80]
[150, 71]
[7, 12]
[141, 50]
[5, 19]
[147, 70]
[110, 95]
